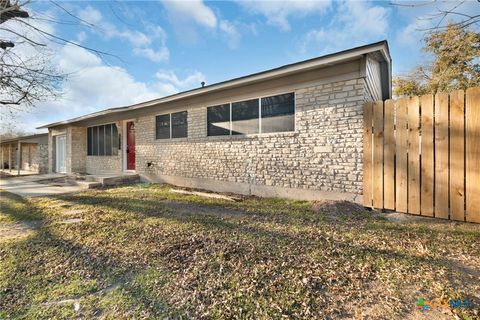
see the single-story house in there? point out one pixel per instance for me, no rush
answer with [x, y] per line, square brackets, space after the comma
[31, 152]
[294, 131]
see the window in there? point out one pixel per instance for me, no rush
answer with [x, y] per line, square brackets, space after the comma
[264, 115]
[218, 120]
[278, 113]
[163, 126]
[172, 125]
[179, 125]
[103, 140]
[245, 117]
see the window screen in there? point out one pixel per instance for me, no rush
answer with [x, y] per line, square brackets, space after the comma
[162, 126]
[89, 141]
[179, 125]
[278, 113]
[245, 117]
[218, 120]
[103, 140]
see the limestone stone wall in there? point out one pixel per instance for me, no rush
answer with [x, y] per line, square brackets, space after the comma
[76, 149]
[104, 164]
[324, 153]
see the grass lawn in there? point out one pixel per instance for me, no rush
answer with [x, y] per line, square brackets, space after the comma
[144, 252]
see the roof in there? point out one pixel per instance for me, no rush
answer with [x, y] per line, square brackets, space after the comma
[329, 59]
[21, 138]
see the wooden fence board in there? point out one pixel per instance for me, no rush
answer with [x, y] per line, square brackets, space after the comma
[472, 116]
[422, 155]
[457, 166]
[389, 157]
[401, 184]
[377, 175]
[441, 155]
[367, 154]
[413, 110]
[427, 171]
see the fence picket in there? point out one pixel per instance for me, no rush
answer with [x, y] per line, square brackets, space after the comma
[389, 157]
[427, 171]
[413, 110]
[378, 154]
[367, 154]
[457, 166]
[441, 155]
[422, 155]
[401, 156]
[472, 116]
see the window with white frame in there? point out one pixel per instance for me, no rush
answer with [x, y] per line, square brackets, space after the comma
[171, 125]
[262, 115]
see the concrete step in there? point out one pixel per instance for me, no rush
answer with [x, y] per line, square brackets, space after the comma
[113, 179]
[89, 184]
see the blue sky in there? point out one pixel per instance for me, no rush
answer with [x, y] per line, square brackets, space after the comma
[165, 47]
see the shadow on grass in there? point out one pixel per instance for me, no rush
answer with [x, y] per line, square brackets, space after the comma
[106, 269]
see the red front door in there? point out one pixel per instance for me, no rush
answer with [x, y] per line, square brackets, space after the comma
[130, 146]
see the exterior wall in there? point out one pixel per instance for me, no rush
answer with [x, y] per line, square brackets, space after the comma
[28, 153]
[12, 156]
[323, 157]
[104, 164]
[76, 149]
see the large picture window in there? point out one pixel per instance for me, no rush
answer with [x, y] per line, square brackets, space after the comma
[278, 113]
[245, 117]
[218, 120]
[103, 140]
[263, 115]
[171, 125]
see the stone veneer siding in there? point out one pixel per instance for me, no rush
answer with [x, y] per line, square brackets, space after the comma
[323, 154]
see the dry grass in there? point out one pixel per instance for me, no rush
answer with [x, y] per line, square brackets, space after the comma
[144, 252]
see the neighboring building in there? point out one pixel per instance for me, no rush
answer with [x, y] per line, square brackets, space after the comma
[294, 131]
[30, 151]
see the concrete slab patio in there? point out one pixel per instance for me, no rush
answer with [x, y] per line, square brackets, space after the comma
[29, 186]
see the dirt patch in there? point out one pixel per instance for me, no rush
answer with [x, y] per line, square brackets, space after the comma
[335, 208]
[9, 231]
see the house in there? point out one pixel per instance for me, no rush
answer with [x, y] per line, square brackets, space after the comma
[293, 131]
[31, 152]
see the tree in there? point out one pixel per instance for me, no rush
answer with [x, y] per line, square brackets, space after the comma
[29, 78]
[456, 65]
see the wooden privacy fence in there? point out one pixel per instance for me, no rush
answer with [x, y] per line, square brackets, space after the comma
[422, 155]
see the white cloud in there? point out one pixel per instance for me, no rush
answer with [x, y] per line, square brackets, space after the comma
[230, 30]
[354, 23]
[154, 55]
[194, 10]
[168, 81]
[143, 44]
[277, 13]
[185, 16]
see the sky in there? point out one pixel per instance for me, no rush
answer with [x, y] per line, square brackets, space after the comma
[158, 48]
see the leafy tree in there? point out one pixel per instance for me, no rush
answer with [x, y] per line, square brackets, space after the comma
[456, 63]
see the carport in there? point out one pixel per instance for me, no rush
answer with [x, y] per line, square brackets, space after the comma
[24, 155]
